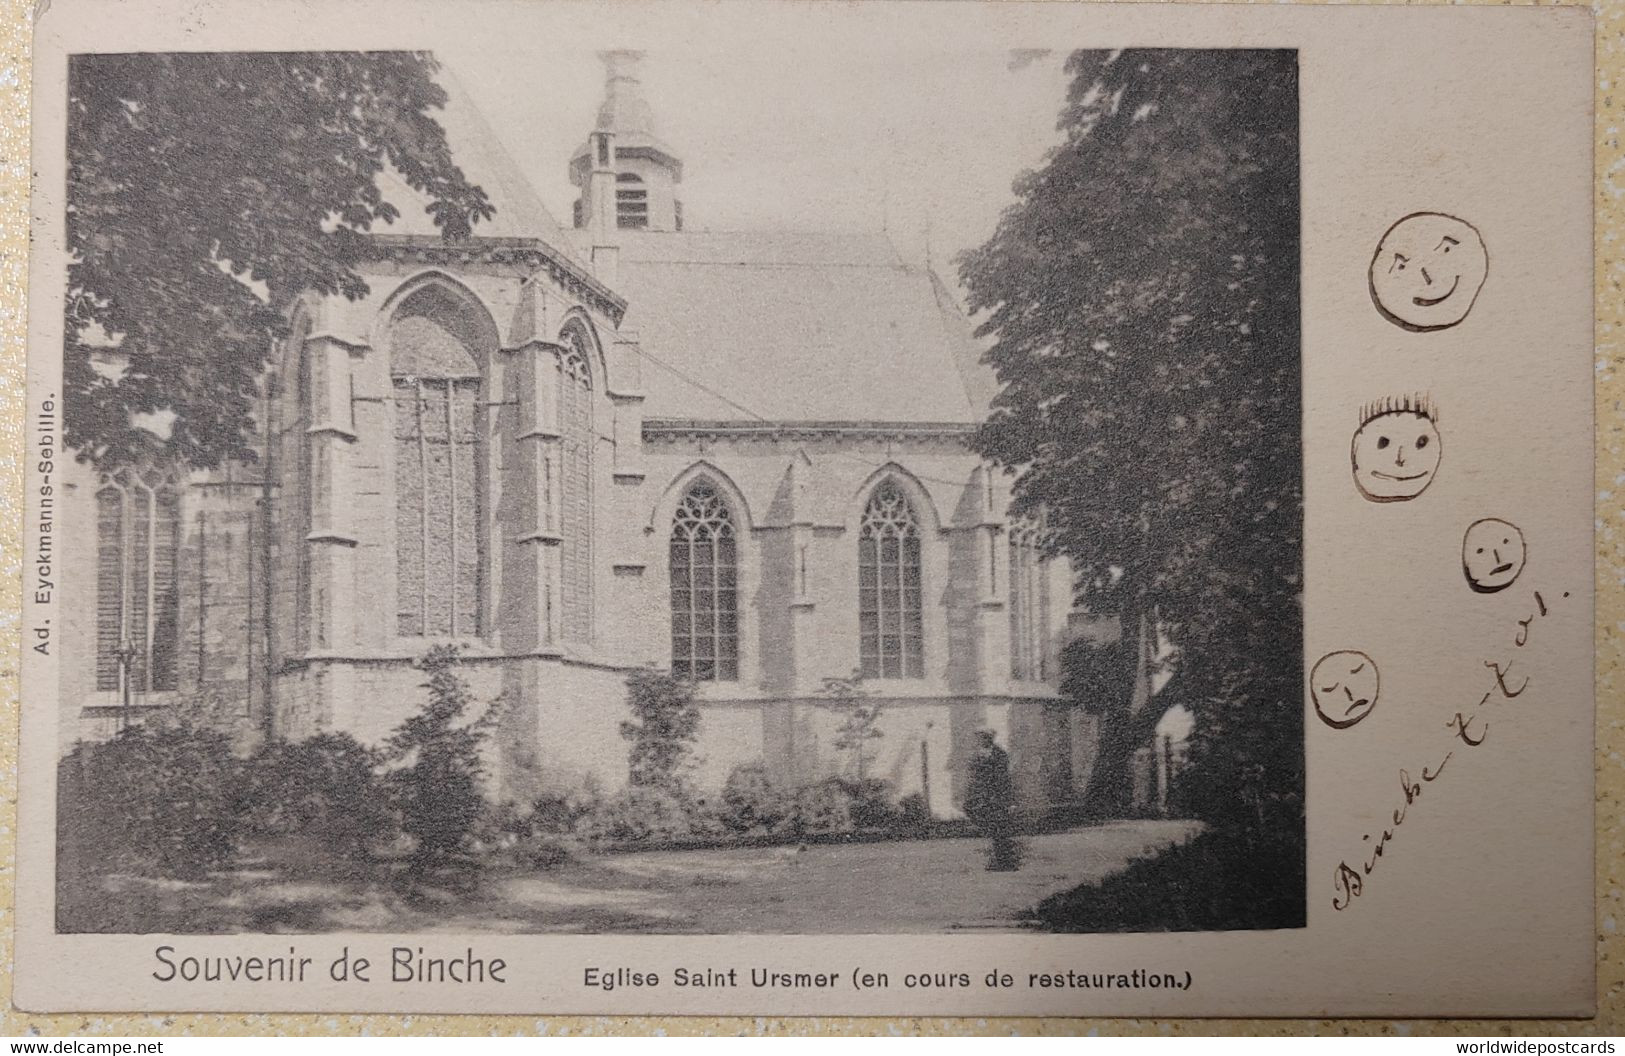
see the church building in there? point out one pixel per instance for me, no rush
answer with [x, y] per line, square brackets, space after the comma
[577, 452]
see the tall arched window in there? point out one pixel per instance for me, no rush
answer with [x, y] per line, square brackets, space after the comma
[891, 642]
[1029, 606]
[704, 588]
[138, 523]
[296, 436]
[575, 484]
[437, 345]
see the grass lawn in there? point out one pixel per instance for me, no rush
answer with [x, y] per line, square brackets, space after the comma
[908, 887]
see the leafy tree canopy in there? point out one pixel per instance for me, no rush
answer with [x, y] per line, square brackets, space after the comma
[1142, 298]
[205, 192]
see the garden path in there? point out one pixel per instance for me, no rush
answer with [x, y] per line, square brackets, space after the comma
[894, 886]
[906, 886]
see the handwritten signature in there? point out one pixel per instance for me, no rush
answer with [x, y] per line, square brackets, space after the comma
[1348, 881]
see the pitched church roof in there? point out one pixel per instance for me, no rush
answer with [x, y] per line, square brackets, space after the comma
[487, 163]
[796, 327]
[786, 326]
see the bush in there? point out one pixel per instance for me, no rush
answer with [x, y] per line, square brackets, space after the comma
[546, 850]
[500, 825]
[540, 836]
[869, 802]
[754, 804]
[644, 814]
[664, 726]
[326, 789]
[823, 808]
[561, 812]
[437, 791]
[913, 815]
[165, 800]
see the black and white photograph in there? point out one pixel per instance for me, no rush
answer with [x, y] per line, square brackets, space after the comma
[725, 509]
[625, 495]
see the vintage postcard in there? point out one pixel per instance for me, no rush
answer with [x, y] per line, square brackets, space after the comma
[808, 508]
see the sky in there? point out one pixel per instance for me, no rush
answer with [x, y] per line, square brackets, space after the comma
[919, 143]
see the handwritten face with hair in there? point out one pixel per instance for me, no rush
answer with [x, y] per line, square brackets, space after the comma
[1396, 450]
[1427, 271]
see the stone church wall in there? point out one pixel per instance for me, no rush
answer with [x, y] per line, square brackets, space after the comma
[797, 495]
[218, 641]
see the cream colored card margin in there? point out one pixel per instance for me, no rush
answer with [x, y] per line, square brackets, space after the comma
[1610, 556]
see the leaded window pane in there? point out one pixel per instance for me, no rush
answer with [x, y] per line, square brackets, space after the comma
[165, 622]
[439, 460]
[137, 591]
[704, 587]
[1029, 606]
[891, 641]
[302, 506]
[109, 585]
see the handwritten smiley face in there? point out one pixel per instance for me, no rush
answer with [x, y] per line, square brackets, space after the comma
[1396, 450]
[1427, 271]
[1492, 554]
[1344, 687]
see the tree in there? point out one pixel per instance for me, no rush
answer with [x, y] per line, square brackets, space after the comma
[1142, 298]
[860, 722]
[205, 192]
[664, 726]
[437, 787]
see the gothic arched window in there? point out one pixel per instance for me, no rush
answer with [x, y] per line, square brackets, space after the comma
[297, 436]
[1029, 607]
[575, 485]
[704, 588]
[891, 642]
[138, 529]
[437, 346]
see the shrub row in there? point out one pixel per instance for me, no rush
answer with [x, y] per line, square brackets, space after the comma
[753, 806]
[754, 803]
[174, 801]
[170, 798]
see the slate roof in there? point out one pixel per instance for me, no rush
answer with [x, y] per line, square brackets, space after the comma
[796, 327]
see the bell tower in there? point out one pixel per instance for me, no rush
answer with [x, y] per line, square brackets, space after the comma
[627, 176]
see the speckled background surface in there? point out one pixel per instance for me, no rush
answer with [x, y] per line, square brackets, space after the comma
[1610, 634]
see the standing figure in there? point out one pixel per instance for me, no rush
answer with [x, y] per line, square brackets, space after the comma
[990, 800]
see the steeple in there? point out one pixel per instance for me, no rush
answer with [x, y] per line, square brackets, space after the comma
[628, 177]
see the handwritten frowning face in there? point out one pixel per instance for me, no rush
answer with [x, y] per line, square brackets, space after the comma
[1395, 455]
[1492, 554]
[1344, 687]
[1427, 271]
